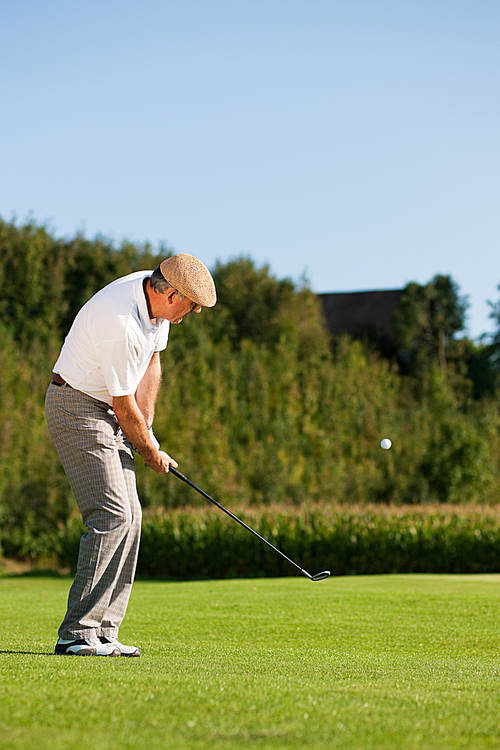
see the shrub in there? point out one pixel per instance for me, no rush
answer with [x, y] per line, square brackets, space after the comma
[203, 543]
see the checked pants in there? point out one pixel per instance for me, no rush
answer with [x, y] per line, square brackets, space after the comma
[99, 465]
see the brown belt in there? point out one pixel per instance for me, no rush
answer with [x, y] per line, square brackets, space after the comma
[58, 380]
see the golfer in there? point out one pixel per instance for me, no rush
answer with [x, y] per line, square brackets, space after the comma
[100, 406]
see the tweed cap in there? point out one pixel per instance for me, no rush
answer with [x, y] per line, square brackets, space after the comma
[190, 277]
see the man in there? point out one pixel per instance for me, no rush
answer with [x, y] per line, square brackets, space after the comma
[101, 402]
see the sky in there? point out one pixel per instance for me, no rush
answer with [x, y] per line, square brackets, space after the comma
[353, 143]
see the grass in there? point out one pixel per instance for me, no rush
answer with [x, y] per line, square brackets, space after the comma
[359, 662]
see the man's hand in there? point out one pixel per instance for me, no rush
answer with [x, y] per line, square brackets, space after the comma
[161, 462]
[133, 424]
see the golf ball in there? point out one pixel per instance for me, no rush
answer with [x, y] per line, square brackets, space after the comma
[385, 444]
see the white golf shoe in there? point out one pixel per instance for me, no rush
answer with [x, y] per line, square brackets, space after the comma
[124, 650]
[82, 647]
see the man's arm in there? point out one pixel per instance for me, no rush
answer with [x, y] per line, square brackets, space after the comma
[135, 415]
[148, 388]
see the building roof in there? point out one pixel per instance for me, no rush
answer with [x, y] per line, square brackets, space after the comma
[360, 313]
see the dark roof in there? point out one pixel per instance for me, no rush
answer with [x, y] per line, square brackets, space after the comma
[360, 312]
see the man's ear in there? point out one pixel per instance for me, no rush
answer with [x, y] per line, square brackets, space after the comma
[170, 296]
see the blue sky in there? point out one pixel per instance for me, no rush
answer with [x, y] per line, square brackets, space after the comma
[354, 142]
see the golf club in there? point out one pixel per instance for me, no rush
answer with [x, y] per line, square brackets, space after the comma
[317, 577]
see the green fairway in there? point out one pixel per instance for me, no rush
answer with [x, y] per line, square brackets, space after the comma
[359, 662]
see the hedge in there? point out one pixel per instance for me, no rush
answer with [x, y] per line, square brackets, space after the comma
[203, 543]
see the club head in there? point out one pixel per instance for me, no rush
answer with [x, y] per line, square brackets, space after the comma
[320, 576]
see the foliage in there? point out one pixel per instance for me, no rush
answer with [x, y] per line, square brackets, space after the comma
[427, 318]
[363, 540]
[252, 303]
[194, 543]
[32, 282]
[255, 404]
[45, 281]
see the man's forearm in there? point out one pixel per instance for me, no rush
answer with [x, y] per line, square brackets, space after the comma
[134, 426]
[148, 388]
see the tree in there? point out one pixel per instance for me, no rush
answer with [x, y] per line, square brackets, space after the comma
[492, 345]
[32, 267]
[426, 321]
[45, 281]
[250, 300]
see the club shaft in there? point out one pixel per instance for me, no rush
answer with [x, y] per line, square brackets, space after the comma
[178, 474]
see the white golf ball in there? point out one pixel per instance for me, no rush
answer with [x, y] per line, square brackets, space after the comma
[385, 444]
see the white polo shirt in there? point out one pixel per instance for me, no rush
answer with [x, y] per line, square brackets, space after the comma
[111, 342]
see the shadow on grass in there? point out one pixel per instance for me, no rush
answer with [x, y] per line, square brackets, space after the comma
[27, 653]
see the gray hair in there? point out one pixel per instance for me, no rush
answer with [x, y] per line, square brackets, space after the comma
[160, 285]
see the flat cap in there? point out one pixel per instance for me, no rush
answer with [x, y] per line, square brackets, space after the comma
[190, 277]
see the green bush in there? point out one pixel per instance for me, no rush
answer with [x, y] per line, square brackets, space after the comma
[204, 543]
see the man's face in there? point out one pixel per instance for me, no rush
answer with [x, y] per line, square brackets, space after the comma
[186, 307]
[173, 307]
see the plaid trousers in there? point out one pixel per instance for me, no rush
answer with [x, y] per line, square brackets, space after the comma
[99, 463]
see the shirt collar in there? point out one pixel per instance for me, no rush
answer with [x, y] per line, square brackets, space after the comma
[142, 304]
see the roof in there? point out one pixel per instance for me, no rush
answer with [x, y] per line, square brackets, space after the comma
[360, 312]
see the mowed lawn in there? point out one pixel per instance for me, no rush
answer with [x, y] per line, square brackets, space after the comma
[358, 662]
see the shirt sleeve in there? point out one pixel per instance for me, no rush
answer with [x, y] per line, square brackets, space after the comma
[162, 336]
